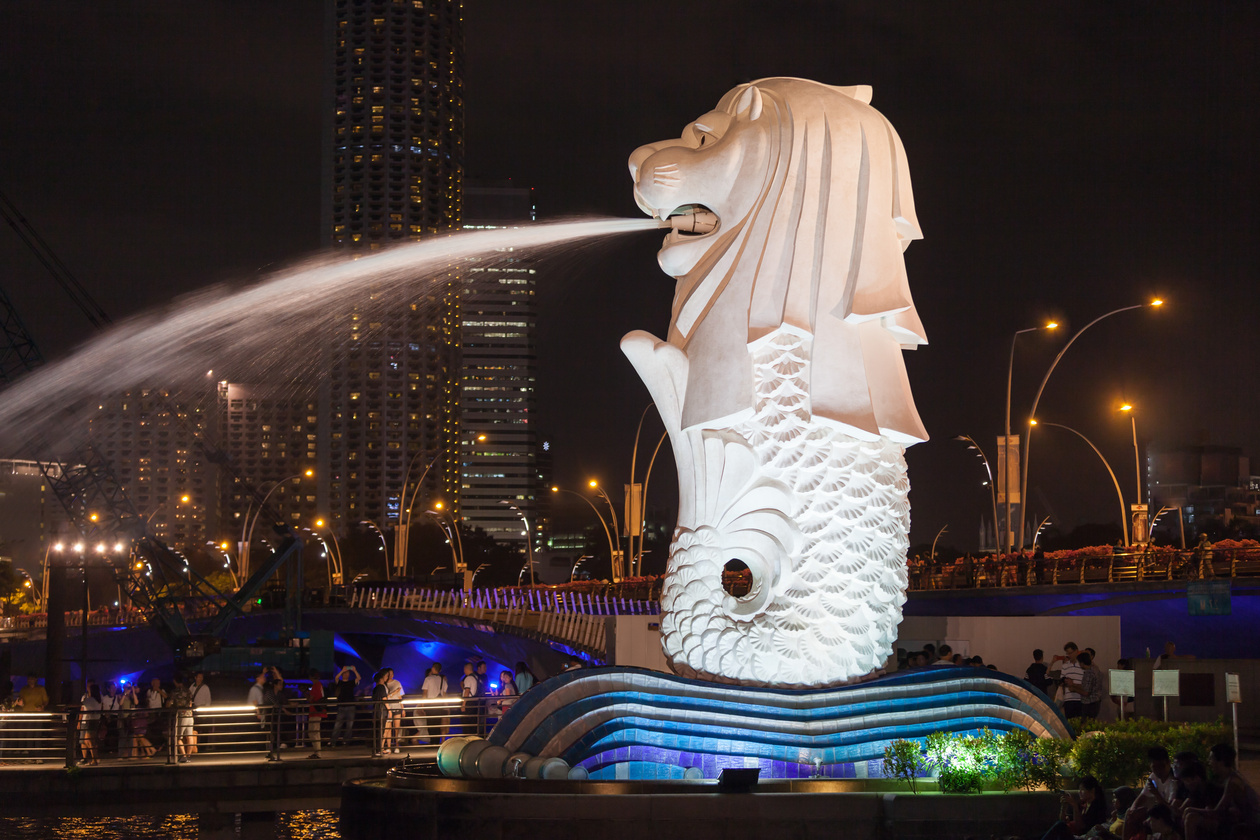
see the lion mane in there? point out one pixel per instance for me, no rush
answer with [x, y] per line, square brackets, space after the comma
[819, 255]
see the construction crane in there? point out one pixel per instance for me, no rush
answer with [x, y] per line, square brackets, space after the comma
[98, 506]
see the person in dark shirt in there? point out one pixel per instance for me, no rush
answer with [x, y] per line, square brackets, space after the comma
[1036, 673]
[380, 714]
[343, 693]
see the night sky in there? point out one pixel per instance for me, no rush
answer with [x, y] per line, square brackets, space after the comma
[1067, 159]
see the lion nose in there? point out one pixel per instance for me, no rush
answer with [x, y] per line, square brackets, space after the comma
[640, 155]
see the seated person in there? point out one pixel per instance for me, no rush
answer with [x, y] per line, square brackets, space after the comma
[1080, 812]
[1160, 824]
[1238, 807]
[1160, 789]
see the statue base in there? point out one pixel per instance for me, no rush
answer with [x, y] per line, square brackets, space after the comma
[632, 724]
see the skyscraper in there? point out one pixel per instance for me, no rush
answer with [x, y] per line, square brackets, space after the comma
[497, 371]
[393, 169]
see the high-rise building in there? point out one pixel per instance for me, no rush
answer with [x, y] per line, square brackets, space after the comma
[150, 439]
[393, 168]
[498, 451]
[270, 440]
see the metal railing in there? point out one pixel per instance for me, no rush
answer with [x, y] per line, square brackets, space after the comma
[232, 733]
[1083, 567]
[574, 619]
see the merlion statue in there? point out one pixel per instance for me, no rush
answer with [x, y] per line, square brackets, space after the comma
[782, 383]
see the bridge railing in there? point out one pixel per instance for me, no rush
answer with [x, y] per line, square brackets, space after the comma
[242, 732]
[575, 619]
[1083, 567]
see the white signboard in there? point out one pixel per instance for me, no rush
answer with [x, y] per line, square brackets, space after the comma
[1233, 691]
[1122, 683]
[1165, 683]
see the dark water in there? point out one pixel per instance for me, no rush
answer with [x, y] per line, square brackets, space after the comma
[291, 825]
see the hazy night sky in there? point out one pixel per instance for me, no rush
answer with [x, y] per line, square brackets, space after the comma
[1067, 159]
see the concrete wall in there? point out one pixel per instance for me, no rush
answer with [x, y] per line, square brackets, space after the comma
[635, 640]
[1248, 671]
[1008, 641]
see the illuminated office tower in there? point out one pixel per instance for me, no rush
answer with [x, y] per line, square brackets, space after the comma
[497, 372]
[393, 170]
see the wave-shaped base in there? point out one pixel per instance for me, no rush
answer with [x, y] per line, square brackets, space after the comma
[630, 723]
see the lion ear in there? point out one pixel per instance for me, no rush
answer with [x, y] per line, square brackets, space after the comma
[862, 93]
[750, 101]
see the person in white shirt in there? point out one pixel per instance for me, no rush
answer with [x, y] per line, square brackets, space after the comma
[157, 697]
[432, 724]
[1069, 673]
[200, 699]
[393, 702]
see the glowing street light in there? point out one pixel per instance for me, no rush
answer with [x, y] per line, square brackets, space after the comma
[618, 571]
[1023, 483]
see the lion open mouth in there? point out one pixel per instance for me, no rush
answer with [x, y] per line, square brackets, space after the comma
[692, 220]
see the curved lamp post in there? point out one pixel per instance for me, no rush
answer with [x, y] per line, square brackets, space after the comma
[1138, 513]
[1006, 462]
[944, 528]
[450, 540]
[403, 531]
[380, 534]
[1023, 482]
[453, 530]
[336, 575]
[971, 444]
[638, 564]
[529, 540]
[1124, 516]
[618, 571]
[247, 528]
[612, 551]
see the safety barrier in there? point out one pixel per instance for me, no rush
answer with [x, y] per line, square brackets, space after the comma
[241, 732]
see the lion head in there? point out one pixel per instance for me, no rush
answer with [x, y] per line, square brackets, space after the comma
[807, 198]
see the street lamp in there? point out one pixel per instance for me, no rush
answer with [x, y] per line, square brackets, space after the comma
[335, 575]
[1023, 482]
[1139, 510]
[403, 531]
[944, 528]
[618, 571]
[580, 561]
[612, 551]
[638, 562]
[457, 562]
[992, 490]
[529, 539]
[247, 528]
[227, 560]
[381, 534]
[1124, 517]
[1040, 528]
[476, 572]
[1005, 454]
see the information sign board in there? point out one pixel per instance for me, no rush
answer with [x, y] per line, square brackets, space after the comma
[1165, 683]
[1233, 691]
[1121, 683]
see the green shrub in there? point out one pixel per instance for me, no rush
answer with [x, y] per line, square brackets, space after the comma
[958, 760]
[904, 760]
[1115, 752]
